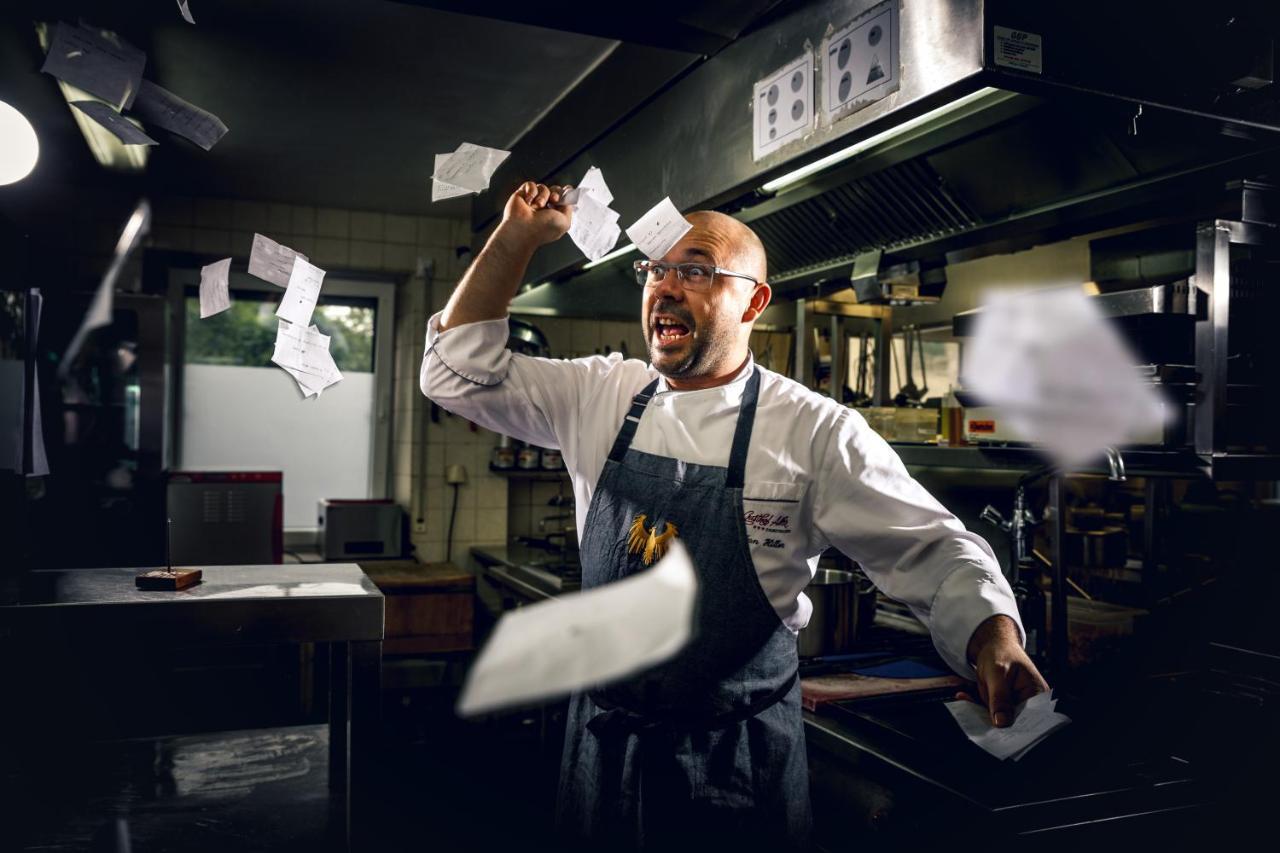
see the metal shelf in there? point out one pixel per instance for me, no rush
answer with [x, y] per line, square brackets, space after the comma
[1138, 463]
[538, 474]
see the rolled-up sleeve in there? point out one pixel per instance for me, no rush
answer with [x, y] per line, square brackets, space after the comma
[911, 547]
[469, 371]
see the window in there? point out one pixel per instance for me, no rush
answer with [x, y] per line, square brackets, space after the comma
[236, 410]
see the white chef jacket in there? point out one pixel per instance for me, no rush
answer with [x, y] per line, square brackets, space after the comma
[816, 476]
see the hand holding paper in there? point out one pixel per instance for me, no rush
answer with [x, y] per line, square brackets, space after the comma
[1034, 720]
[584, 639]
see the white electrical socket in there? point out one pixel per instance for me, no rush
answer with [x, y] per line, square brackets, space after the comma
[783, 106]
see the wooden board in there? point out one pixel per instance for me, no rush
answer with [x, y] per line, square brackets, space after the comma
[172, 579]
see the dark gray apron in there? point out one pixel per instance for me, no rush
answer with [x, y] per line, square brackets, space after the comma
[708, 747]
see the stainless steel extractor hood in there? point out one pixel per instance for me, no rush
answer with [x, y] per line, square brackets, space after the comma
[1006, 124]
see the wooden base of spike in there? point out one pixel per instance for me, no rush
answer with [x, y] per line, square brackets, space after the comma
[168, 578]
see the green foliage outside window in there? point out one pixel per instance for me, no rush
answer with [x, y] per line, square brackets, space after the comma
[245, 334]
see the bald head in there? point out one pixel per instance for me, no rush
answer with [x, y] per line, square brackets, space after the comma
[734, 244]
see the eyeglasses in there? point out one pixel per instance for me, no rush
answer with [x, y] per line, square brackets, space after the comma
[695, 277]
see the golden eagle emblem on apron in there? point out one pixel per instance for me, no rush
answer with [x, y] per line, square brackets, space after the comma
[648, 540]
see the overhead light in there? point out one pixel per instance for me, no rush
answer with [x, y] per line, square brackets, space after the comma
[19, 148]
[103, 144]
[870, 142]
[616, 253]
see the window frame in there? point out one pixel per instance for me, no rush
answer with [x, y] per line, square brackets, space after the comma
[184, 281]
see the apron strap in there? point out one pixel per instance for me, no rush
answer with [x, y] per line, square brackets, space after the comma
[742, 433]
[623, 442]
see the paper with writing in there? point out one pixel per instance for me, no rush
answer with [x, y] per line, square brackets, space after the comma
[470, 167]
[1033, 721]
[300, 296]
[158, 106]
[121, 128]
[592, 182]
[271, 261]
[1059, 373]
[659, 229]
[584, 639]
[304, 354]
[439, 189]
[594, 227]
[101, 63]
[215, 281]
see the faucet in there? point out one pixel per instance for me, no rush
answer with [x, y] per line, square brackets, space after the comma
[1115, 462]
[1016, 526]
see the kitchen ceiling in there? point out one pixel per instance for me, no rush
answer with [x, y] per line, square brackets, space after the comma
[337, 103]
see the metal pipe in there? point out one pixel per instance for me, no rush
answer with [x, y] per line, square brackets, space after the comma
[1058, 635]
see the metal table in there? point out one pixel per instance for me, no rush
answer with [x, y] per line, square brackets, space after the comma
[271, 604]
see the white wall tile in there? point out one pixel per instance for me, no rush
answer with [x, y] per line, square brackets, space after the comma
[249, 215]
[332, 222]
[211, 241]
[366, 255]
[279, 218]
[401, 229]
[368, 225]
[212, 213]
[399, 258]
[331, 252]
[304, 220]
[435, 231]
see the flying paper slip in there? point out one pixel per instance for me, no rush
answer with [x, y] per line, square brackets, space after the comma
[584, 639]
[659, 229]
[157, 105]
[1033, 721]
[594, 227]
[121, 128]
[302, 293]
[1059, 373]
[214, 282]
[271, 261]
[592, 182]
[97, 61]
[304, 355]
[440, 190]
[468, 169]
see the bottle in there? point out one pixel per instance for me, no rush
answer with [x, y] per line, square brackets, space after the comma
[952, 420]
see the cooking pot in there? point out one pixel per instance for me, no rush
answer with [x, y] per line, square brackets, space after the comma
[844, 604]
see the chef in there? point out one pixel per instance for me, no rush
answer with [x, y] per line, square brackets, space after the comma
[757, 476]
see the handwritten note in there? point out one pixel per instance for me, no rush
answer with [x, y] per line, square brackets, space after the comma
[659, 229]
[99, 62]
[594, 227]
[215, 281]
[470, 167]
[439, 189]
[304, 355]
[301, 294]
[583, 639]
[121, 128]
[270, 261]
[162, 108]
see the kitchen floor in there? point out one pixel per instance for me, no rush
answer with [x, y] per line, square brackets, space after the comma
[442, 786]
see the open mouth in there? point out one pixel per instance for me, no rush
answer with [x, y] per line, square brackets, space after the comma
[667, 331]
